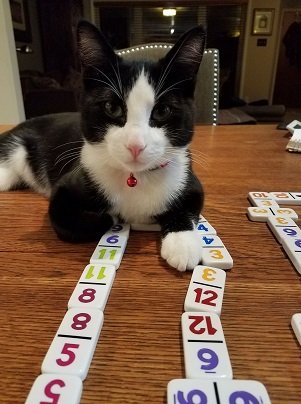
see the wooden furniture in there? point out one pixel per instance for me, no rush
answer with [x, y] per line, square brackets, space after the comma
[140, 346]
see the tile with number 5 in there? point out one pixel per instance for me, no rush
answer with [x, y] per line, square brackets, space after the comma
[73, 346]
[61, 389]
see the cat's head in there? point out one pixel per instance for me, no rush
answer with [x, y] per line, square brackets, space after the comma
[139, 113]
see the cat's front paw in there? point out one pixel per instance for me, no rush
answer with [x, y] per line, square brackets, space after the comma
[182, 250]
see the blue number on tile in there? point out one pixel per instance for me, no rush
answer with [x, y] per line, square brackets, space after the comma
[243, 397]
[208, 240]
[201, 226]
[191, 397]
[209, 358]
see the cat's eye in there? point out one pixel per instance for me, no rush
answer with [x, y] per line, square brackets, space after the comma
[113, 109]
[161, 112]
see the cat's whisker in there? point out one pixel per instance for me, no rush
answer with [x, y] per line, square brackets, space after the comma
[170, 88]
[68, 162]
[107, 84]
[65, 144]
[109, 80]
[66, 152]
[73, 154]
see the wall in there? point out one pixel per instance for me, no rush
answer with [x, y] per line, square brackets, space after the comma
[32, 61]
[259, 63]
[11, 106]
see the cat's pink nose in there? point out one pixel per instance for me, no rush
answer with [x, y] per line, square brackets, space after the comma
[135, 150]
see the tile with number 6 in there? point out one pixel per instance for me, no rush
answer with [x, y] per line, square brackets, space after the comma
[206, 290]
[61, 389]
[283, 228]
[73, 346]
[205, 351]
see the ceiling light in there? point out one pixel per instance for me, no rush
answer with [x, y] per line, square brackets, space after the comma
[169, 12]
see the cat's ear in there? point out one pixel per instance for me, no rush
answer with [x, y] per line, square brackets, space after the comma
[93, 48]
[186, 55]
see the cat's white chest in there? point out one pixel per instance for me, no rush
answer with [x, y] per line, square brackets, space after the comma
[150, 197]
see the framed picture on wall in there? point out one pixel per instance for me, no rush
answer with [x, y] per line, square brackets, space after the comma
[263, 19]
[20, 19]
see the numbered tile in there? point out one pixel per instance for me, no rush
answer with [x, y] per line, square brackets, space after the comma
[218, 257]
[206, 290]
[267, 203]
[287, 198]
[61, 389]
[145, 227]
[109, 250]
[256, 197]
[283, 228]
[205, 351]
[121, 228]
[204, 227]
[190, 391]
[296, 326]
[73, 346]
[262, 214]
[292, 248]
[94, 287]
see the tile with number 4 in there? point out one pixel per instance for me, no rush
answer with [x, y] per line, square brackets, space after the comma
[206, 290]
[205, 351]
[94, 287]
[204, 227]
[73, 346]
[188, 391]
[61, 389]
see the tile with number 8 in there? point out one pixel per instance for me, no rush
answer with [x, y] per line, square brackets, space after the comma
[64, 389]
[205, 351]
[206, 290]
[73, 346]
[94, 287]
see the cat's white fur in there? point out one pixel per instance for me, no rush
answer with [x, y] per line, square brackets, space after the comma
[156, 186]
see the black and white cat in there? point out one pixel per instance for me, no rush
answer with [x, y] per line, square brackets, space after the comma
[125, 157]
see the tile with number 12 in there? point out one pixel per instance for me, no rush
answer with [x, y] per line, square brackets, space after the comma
[206, 290]
[205, 351]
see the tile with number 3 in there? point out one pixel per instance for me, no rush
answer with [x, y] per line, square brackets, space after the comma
[206, 290]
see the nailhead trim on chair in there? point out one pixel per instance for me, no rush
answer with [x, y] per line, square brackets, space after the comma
[215, 72]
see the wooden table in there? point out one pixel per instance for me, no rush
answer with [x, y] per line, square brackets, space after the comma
[140, 346]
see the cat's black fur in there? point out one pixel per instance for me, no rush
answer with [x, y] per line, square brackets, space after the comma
[79, 208]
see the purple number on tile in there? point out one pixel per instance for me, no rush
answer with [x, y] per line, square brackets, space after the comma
[112, 239]
[191, 397]
[290, 232]
[298, 243]
[243, 397]
[117, 227]
[209, 357]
